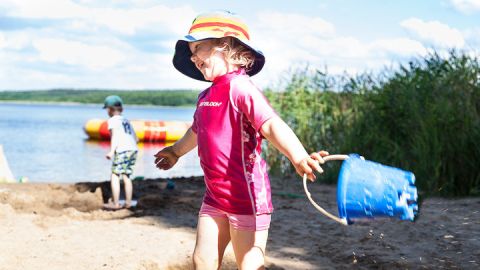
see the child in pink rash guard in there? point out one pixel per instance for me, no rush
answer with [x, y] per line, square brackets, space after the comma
[227, 123]
[231, 119]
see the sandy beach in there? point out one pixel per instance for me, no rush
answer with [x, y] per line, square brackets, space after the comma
[62, 226]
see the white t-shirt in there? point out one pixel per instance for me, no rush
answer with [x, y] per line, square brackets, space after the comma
[123, 135]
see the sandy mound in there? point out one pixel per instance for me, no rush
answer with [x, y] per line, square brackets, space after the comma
[52, 226]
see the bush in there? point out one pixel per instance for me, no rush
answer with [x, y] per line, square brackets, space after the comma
[319, 116]
[424, 117]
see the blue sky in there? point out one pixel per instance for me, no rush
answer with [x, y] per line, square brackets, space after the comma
[129, 44]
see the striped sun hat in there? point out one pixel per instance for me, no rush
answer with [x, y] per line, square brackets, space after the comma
[209, 25]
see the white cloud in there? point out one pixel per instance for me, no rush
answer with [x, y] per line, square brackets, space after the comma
[158, 18]
[345, 47]
[293, 40]
[398, 46]
[14, 40]
[44, 9]
[320, 49]
[145, 72]
[472, 36]
[3, 42]
[130, 44]
[294, 24]
[466, 6]
[15, 73]
[90, 38]
[437, 33]
[76, 53]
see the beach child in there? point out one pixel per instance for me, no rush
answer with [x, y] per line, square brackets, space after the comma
[123, 152]
[231, 119]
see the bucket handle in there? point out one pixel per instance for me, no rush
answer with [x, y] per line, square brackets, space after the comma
[309, 196]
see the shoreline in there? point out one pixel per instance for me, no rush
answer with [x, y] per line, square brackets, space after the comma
[62, 103]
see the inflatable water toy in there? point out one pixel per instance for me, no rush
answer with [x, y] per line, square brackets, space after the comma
[146, 130]
[368, 189]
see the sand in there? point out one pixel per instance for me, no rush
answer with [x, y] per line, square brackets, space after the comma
[62, 226]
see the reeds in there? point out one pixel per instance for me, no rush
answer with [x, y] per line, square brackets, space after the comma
[423, 117]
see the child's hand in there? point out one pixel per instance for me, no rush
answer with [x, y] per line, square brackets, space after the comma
[311, 163]
[109, 155]
[165, 158]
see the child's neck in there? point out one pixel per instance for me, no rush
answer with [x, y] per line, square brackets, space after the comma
[231, 68]
[228, 75]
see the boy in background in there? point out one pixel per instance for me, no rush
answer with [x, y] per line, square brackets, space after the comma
[123, 151]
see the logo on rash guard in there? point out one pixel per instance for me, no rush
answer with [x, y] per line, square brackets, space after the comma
[210, 104]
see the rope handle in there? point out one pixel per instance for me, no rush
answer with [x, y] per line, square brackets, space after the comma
[309, 196]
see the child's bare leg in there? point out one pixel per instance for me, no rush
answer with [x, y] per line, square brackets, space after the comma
[213, 236]
[115, 184]
[128, 190]
[249, 248]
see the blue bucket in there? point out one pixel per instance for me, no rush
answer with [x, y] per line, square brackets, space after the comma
[368, 189]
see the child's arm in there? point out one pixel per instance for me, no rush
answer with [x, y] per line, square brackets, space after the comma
[168, 156]
[113, 144]
[134, 134]
[276, 131]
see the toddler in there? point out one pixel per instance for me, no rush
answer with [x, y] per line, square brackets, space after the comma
[231, 119]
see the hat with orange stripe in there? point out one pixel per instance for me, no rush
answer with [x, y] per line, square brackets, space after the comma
[211, 25]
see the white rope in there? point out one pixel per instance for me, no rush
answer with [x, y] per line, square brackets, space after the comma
[309, 196]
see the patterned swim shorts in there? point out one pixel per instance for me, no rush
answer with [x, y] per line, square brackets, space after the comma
[123, 162]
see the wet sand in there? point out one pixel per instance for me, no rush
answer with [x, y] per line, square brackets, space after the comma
[62, 226]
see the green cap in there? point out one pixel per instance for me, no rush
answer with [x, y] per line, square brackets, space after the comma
[112, 101]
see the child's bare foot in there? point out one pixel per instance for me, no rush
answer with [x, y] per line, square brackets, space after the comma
[112, 207]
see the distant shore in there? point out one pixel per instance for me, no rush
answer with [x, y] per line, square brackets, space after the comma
[96, 96]
[63, 103]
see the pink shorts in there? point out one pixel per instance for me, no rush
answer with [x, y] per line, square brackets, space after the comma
[238, 222]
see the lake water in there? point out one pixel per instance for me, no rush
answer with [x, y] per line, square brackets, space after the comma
[46, 142]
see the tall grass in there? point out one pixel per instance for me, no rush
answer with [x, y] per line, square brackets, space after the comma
[423, 117]
[320, 117]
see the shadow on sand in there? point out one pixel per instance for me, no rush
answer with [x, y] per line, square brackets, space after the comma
[445, 237]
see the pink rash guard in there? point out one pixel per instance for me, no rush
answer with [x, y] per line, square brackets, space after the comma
[227, 122]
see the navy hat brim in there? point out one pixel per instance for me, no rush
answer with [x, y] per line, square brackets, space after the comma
[183, 63]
